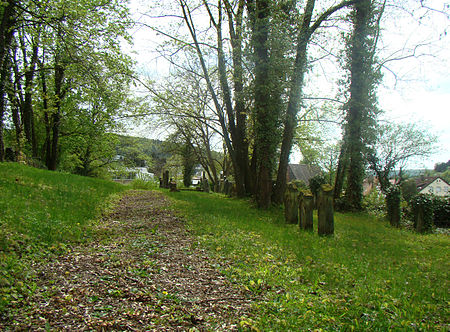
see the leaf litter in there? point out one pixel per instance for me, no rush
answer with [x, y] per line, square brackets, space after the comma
[141, 272]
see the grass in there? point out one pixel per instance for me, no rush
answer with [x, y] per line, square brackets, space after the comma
[42, 212]
[368, 276]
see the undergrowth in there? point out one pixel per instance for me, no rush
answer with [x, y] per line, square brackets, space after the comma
[368, 276]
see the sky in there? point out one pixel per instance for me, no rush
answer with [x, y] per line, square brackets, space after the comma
[415, 89]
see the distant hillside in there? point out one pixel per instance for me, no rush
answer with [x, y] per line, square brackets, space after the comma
[142, 152]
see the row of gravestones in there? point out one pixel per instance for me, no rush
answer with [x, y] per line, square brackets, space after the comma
[299, 207]
[225, 186]
[167, 183]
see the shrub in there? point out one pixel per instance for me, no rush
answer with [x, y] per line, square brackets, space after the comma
[409, 189]
[422, 206]
[441, 206]
[374, 203]
[316, 182]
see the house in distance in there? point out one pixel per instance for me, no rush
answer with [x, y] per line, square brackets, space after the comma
[433, 185]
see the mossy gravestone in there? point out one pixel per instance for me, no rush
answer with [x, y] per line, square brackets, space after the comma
[205, 185]
[422, 206]
[291, 204]
[325, 211]
[306, 209]
[393, 196]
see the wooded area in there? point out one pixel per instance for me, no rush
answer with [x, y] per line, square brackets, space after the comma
[234, 101]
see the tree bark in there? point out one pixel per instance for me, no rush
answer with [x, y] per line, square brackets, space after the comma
[56, 116]
[359, 103]
[8, 20]
[341, 170]
[296, 86]
[290, 122]
[225, 127]
[264, 114]
[28, 111]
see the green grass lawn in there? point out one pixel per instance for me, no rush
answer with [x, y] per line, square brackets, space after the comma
[41, 212]
[368, 276]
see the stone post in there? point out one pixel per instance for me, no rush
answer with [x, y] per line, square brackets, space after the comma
[325, 210]
[423, 213]
[205, 185]
[306, 210]
[291, 204]
[393, 196]
[419, 219]
[301, 210]
[173, 186]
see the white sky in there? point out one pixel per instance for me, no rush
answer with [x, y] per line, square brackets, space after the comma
[421, 92]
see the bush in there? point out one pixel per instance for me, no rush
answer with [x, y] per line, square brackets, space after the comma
[441, 206]
[422, 207]
[409, 189]
[316, 182]
[374, 203]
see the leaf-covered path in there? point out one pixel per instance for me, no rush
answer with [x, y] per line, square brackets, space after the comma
[142, 272]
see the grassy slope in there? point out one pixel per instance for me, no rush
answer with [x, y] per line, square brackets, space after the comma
[368, 276]
[42, 211]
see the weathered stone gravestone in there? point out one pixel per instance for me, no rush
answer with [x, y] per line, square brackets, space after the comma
[393, 197]
[205, 185]
[325, 210]
[227, 187]
[423, 213]
[173, 186]
[291, 204]
[306, 209]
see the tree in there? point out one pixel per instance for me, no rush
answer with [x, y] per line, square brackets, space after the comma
[66, 55]
[394, 146]
[442, 167]
[361, 106]
[305, 31]
[8, 17]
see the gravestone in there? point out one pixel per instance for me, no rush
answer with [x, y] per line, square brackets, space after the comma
[306, 209]
[325, 211]
[291, 204]
[173, 186]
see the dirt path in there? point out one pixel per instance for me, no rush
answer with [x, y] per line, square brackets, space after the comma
[142, 273]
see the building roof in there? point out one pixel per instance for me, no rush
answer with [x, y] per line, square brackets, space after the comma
[302, 172]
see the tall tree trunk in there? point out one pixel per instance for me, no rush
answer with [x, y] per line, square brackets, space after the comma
[341, 170]
[56, 116]
[240, 135]
[296, 86]
[8, 20]
[227, 132]
[265, 115]
[359, 102]
[295, 97]
[15, 112]
[47, 143]
[28, 102]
